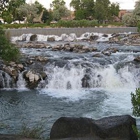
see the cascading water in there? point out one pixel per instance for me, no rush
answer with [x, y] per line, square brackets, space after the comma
[21, 83]
[5, 80]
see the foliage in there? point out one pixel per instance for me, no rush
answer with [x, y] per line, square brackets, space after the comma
[47, 16]
[102, 12]
[12, 8]
[129, 20]
[59, 10]
[3, 5]
[8, 51]
[77, 23]
[28, 11]
[84, 9]
[135, 99]
[35, 132]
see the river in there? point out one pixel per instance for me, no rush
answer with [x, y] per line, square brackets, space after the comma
[106, 92]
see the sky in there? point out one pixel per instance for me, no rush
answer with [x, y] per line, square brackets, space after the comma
[124, 4]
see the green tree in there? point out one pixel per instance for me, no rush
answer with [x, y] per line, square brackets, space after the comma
[102, 10]
[7, 16]
[39, 7]
[12, 8]
[59, 9]
[8, 51]
[84, 9]
[28, 12]
[47, 16]
[3, 5]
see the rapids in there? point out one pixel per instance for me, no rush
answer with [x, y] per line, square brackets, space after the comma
[77, 85]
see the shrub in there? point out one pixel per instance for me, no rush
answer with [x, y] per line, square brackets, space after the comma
[34, 132]
[77, 23]
[135, 99]
[8, 51]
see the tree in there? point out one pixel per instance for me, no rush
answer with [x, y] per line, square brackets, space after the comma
[59, 9]
[7, 16]
[8, 51]
[3, 4]
[84, 9]
[102, 11]
[12, 8]
[47, 16]
[28, 12]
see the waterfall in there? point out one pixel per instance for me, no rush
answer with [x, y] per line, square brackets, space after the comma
[63, 78]
[21, 83]
[78, 77]
[5, 80]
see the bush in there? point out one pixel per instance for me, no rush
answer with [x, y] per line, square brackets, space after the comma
[135, 99]
[77, 23]
[8, 51]
[34, 132]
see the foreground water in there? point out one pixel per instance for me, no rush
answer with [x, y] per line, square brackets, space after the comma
[106, 92]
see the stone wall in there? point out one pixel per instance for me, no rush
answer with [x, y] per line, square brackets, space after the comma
[77, 31]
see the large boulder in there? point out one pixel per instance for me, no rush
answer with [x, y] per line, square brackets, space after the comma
[33, 37]
[109, 128]
[119, 127]
[75, 127]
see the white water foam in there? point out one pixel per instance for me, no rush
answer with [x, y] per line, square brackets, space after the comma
[63, 37]
[21, 83]
[67, 83]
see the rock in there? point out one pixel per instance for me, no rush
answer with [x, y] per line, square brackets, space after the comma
[108, 128]
[75, 127]
[56, 48]
[118, 127]
[94, 37]
[20, 67]
[137, 59]
[107, 53]
[97, 55]
[51, 39]
[33, 37]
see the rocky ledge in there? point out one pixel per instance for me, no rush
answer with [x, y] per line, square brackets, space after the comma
[108, 128]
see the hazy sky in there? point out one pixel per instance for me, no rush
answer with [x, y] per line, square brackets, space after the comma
[124, 4]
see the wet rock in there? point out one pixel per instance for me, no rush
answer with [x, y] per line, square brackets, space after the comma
[56, 48]
[114, 127]
[105, 35]
[137, 59]
[33, 37]
[85, 81]
[41, 59]
[11, 71]
[75, 127]
[107, 53]
[112, 50]
[118, 127]
[51, 39]
[97, 55]
[93, 37]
